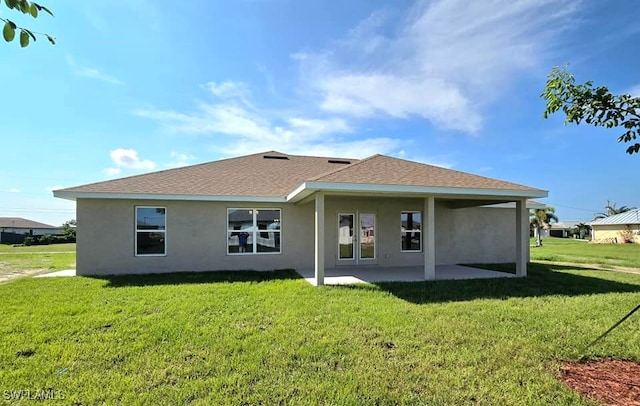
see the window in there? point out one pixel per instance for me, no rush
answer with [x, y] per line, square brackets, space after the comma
[151, 231]
[411, 225]
[253, 231]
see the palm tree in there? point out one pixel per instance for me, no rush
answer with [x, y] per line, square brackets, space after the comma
[539, 218]
[611, 209]
[583, 230]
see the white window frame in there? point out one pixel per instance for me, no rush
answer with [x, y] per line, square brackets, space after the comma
[421, 224]
[135, 242]
[254, 232]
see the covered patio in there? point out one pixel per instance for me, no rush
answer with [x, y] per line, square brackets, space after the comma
[353, 275]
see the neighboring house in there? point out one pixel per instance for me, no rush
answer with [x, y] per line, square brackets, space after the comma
[13, 230]
[619, 228]
[271, 210]
[561, 229]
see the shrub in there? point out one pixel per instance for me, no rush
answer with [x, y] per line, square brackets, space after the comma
[627, 235]
[46, 239]
[29, 241]
[62, 239]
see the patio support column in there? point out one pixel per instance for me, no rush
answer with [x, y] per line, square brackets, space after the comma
[430, 239]
[522, 237]
[319, 239]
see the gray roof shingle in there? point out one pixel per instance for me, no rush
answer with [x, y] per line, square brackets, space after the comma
[19, 222]
[385, 170]
[273, 174]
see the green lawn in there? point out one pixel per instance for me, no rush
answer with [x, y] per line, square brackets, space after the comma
[271, 338]
[37, 248]
[582, 252]
[24, 261]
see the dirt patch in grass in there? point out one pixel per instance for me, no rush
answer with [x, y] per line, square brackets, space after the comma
[612, 382]
[19, 273]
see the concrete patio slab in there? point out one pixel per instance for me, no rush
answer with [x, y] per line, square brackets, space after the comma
[66, 272]
[352, 275]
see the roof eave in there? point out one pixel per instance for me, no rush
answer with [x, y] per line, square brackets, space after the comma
[308, 188]
[74, 195]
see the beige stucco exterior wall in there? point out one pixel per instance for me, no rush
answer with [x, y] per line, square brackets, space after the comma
[478, 234]
[612, 233]
[196, 238]
[475, 235]
[196, 235]
[387, 232]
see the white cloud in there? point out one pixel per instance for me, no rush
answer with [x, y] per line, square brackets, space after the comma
[181, 156]
[228, 89]
[13, 190]
[444, 61]
[180, 159]
[92, 73]
[127, 159]
[331, 148]
[112, 171]
[367, 95]
[239, 131]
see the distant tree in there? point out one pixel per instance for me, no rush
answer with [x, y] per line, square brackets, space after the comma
[596, 106]
[69, 230]
[25, 7]
[539, 218]
[611, 209]
[582, 230]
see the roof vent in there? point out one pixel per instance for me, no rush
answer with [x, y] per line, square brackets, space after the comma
[339, 161]
[275, 157]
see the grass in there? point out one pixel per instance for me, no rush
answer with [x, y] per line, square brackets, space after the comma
[251, 338]
[7, 248]
[581, 252]
[36, 259]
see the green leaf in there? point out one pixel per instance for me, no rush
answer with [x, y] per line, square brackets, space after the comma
[11, 3]
[24, 38]
[51, 39]
[33, 10]
[43, 8]
[9, 31]
[24, 6]
[30, 33]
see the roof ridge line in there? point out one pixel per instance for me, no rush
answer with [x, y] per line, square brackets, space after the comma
[351, 165]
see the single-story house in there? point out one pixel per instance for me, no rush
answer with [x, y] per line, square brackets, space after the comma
[272, 210]
[562, 229]
[13, 230]
[619, 228]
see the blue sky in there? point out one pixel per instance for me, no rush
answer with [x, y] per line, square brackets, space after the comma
[138, 85]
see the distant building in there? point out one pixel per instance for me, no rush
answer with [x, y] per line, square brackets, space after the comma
[13, 230]
[619, 228]
[564, 229]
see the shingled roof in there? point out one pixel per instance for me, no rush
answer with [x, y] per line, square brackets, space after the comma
[19, 222]
[385, 170]
[276, 175]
